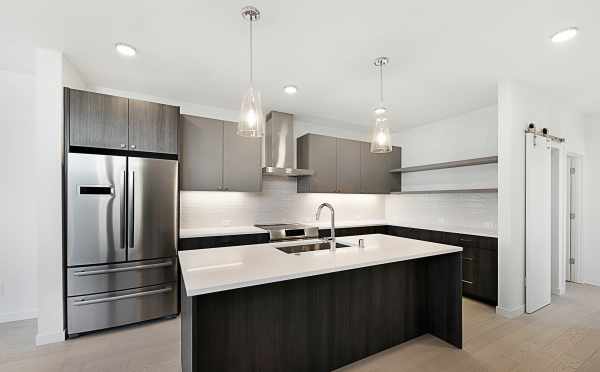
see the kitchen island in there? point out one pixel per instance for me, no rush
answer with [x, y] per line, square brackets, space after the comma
[256, 308]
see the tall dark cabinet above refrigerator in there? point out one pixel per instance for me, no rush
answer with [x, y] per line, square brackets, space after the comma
[122, 220]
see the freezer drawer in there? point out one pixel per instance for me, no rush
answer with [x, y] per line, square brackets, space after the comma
[95, 312]
[116, 277]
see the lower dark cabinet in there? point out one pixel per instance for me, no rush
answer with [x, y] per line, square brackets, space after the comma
[480, 268]
[480, 259]
[488, 276]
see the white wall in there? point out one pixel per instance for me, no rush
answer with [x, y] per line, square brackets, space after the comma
[47, 143]
[31, 226]
[72, 78]
[591, 202]
[470, 135]
[518, 105]
[18, 270]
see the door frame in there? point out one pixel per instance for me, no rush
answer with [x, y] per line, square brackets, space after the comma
[574, 241]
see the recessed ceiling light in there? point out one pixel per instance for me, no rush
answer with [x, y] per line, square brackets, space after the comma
[126, 50]
[290, 89]
[564, 35]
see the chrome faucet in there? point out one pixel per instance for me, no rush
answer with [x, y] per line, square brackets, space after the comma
[332, 239]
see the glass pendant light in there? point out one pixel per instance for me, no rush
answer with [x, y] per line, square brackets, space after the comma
[252, 120]
[381, 139]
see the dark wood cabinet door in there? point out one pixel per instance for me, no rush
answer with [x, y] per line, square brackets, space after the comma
[153, 127]
[318, 153]
[97, 120]
[374, 171]
[201, 159]
[242, 170]
[350, 310]
[348, 166]
[488, 271]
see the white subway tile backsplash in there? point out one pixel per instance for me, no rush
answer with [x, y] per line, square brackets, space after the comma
[278, 202]
[472, 212]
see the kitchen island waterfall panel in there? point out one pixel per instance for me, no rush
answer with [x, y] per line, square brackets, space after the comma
[323, 322]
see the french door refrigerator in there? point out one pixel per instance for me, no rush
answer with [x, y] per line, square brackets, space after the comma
[122, 220]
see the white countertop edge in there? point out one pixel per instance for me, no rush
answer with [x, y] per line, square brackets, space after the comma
[280, 278]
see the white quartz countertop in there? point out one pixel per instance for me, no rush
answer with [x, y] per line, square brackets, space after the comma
[220, 269]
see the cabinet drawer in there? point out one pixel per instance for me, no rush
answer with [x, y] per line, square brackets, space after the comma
[115, 277]
[94, 312]
[468, 288]
[469, 254]
[469, 273]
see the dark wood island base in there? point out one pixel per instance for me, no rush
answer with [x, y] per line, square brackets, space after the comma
[323, 322]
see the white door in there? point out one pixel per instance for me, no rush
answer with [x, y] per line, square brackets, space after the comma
[538, 200]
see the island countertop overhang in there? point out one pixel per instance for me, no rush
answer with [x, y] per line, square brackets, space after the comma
[219, 269]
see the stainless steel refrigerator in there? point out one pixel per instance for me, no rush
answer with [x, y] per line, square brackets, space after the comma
[122, 220]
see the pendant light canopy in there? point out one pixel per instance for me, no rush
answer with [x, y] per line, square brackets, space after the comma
[381, 139]
[252, 119]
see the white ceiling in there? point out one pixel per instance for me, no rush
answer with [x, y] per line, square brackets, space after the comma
[445, 56]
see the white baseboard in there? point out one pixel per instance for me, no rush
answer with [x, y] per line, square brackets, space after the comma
[21, 315]
[49, 338]
[510, 313]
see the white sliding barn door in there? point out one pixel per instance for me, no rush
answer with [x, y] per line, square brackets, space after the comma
[538, 201]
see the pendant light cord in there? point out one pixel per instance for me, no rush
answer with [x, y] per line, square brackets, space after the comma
[251, 55]
[381, 84]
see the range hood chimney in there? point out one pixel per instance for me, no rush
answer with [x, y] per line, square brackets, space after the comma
[279, 146]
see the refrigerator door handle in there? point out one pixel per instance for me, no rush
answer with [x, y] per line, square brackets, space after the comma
[132, 212]
[123, 297]
[124, 211]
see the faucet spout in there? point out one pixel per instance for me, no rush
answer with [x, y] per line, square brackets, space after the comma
[332, 244]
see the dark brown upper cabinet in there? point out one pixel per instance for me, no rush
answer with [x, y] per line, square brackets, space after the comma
[348, 166]
[97, 120]
[101, 121]
[242, 170]
[214, 158]
[153, 127]
[318, 153]
[375, 175]
[345, 166]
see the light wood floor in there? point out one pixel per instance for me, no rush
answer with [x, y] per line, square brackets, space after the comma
[562, 337]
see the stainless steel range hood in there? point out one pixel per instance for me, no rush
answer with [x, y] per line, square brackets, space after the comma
[279, 146]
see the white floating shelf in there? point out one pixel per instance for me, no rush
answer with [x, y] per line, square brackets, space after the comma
[451, 191]
[449, 164]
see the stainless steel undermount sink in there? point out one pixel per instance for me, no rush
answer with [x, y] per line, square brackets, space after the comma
[297, 249]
